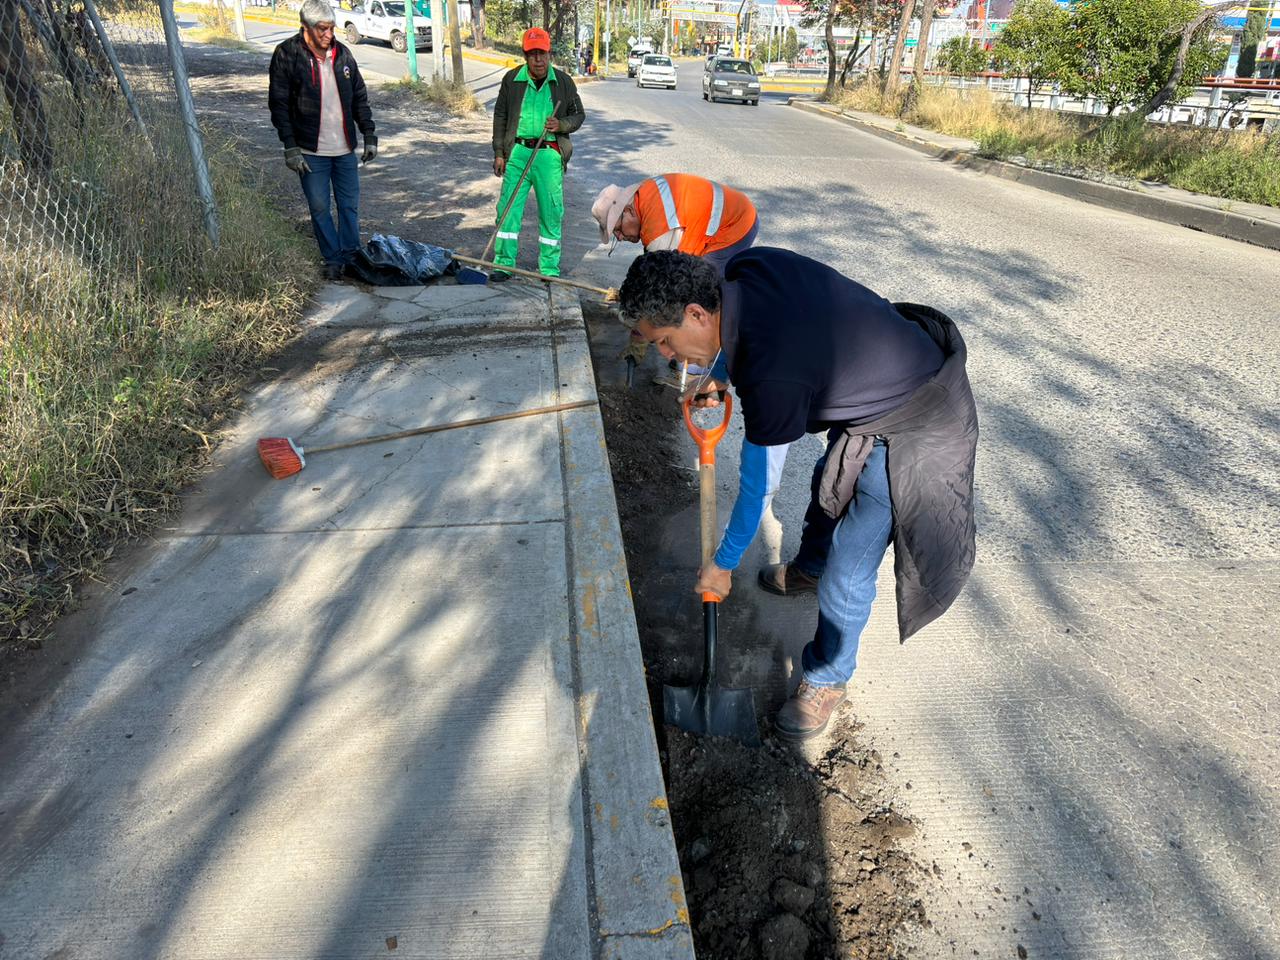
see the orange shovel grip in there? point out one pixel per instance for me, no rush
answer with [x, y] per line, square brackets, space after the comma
[707, 439]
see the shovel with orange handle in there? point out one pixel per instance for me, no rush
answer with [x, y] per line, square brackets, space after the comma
[708, 708]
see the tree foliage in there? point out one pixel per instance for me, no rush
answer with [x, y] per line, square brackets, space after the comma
[1255, 31]
[1121, 52]
[790, 45]
[1033, 44]
[964, 56]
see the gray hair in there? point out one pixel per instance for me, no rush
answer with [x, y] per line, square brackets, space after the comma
[316, 11]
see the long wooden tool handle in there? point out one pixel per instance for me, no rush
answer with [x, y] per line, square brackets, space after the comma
[609, 293]
[707, 514]
[417, 431]
[523, 173]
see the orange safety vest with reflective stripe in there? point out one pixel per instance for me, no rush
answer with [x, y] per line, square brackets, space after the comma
[713, 216]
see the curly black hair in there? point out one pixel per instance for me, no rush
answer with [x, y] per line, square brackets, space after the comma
[661, 284]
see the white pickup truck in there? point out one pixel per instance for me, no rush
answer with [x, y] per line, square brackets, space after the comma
[381, 20]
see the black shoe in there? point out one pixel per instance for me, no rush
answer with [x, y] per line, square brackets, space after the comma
[784, 580]
[499, 276]
[334, 271]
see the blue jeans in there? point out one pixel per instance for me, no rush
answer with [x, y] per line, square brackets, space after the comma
[341, 176]
[846, 554]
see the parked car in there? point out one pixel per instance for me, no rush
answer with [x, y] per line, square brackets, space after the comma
[657, 71]
[636, 55]
[727, 78]
[381, 20]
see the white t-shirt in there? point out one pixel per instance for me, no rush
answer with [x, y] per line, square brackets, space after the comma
[332, 141]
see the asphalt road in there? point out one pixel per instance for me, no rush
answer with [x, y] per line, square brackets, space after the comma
[378, 57]
[1089, 738]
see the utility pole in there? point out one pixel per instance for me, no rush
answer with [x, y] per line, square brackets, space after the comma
[608, 33]
[437, 40]
[595, 40]
[455, 43]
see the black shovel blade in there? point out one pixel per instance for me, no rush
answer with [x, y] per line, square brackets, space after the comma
[714, 711]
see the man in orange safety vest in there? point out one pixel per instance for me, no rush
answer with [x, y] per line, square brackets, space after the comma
[678, 211]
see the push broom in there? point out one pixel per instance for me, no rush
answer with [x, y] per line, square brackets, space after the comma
[283, 456]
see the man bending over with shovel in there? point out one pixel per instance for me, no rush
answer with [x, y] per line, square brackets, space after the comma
[809, 350]
[537, 108]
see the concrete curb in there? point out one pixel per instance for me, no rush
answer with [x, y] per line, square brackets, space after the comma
[636, 890]
[1197, 215]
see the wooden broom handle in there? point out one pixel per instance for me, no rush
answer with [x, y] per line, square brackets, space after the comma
[538, 411]
[609, 293]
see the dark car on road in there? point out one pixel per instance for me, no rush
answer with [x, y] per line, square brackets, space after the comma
[728, 78]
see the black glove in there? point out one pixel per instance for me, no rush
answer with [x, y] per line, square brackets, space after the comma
[370, 149]
[295, 161]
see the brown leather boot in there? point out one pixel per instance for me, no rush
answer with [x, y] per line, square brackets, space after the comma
[784, 580]
[806, 714]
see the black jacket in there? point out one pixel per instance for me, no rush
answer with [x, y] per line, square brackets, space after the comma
[931, 444]
[294, 95]
[506, 112]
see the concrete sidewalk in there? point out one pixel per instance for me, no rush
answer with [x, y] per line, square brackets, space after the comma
[391, 706]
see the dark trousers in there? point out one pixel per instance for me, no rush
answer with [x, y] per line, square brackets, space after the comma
[339, 178]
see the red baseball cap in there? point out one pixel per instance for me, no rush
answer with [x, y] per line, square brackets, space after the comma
[535, 38]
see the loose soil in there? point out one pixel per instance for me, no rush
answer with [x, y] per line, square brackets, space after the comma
[787, 853]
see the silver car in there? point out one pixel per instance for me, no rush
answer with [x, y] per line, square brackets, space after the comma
[728, 78]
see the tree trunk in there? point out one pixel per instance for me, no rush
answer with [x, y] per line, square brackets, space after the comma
[922, 47]
[31, 126]
[831, 48]
[1165, 93]
[899, 45]
[852, 57]
[478, 25]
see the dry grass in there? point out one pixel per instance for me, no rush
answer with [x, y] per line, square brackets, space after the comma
[123, 338]
[1241, 166]
[457, 98]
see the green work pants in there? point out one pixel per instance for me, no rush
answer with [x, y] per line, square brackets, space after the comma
[546, 176]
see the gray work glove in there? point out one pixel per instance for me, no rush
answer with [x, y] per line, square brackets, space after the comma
[295, 161]
[370, 149]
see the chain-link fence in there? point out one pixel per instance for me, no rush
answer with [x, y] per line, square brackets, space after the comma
[93, 148]
[119, 307]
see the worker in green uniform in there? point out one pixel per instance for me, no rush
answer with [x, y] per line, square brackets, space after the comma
[533, 100]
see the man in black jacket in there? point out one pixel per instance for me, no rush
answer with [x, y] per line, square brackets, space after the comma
[317, 100]
[535, 103]
[810, 350]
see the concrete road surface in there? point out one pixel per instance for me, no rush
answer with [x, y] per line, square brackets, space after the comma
[1090, 739]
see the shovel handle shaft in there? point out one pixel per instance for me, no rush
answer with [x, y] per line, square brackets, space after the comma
[706, 441]
[707, 516]
[709, 638]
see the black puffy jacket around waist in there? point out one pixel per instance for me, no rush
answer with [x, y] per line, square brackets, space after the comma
[294, 95]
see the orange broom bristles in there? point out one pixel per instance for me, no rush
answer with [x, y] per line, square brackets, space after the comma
[281, 456]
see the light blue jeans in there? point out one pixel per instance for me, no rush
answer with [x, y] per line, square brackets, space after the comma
[846, 555]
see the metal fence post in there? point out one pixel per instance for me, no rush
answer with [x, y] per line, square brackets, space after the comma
[91, 9]
[182, 85]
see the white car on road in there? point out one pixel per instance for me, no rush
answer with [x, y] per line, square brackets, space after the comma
[655, 70]
[381, 20]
